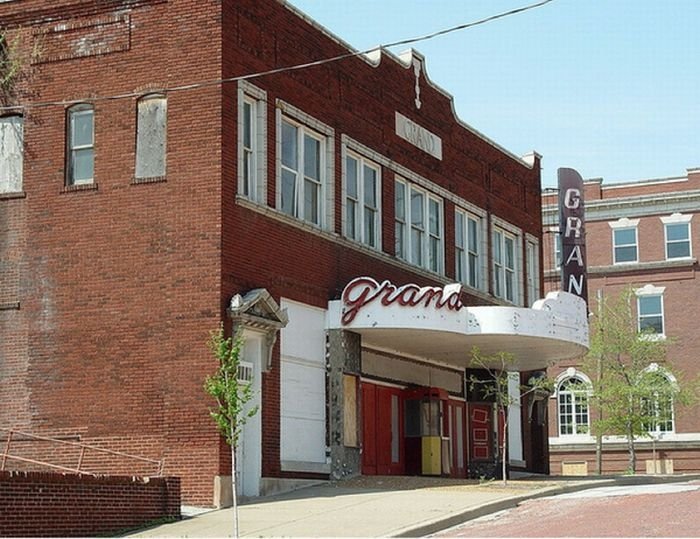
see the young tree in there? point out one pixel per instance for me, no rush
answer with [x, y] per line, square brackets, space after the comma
[630, 391]
[495, 387]
[232, 397]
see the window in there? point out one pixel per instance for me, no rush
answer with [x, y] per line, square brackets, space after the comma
[677, 233]
[11, 153]
[650, 310]
[252, 166]
[80, 145]
[362, 192]
[151, 127]
[305, 169]
[505, 283]
[418, 227]
[657, 408]
[572, 406]
[468, 258]
[533, 270]
[624, 240]
[556, 258]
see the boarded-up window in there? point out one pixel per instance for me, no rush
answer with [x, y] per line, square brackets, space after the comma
[350, 410]
[150, 136]
[11, 149]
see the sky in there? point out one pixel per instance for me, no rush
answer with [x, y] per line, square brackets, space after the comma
[610, 88]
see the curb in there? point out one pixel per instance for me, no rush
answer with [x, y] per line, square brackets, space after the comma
[442, 523]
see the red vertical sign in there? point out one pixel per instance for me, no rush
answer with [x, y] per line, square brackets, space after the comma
[574, 278]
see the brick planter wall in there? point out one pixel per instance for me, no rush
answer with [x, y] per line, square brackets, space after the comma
[53, 504]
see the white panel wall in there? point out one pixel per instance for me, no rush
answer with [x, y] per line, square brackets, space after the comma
[515, 438]
[303, 388]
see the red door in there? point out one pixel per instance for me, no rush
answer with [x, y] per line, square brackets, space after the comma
[480, 428]
[458, 436]
[382, 427]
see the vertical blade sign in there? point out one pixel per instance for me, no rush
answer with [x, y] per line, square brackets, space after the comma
[574, 278]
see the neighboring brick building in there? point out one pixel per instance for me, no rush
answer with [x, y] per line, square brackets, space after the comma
[131, 227]
[640, 234]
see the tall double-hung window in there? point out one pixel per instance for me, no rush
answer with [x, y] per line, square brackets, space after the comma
[677, 236]
[506, 252]
[305, 171]
[252, 149]
[362, 199]
[532, 261]
[469, 254]
[657, 407]
[11, 153]
[650, 309]
[418, 227]
[624, 236]
[572, 406]
[80, 145]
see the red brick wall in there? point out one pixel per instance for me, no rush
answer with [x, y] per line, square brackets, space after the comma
[61, 505]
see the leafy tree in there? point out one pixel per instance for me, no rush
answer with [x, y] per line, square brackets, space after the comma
[232, 397]
[630, 391]
[495, 387]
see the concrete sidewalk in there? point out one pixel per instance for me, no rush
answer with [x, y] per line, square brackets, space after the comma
[382, 506]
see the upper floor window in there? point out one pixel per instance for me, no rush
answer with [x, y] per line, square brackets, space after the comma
[252, 164]
[418, 226]
[677, 234]
[80, 145]
[468, 249]
[305, 171]
[624, 240]
[657, 407]
[11, 153]
[151, 127]
[532, 259]
[572, 406]
[362, 196]
[650, 309]
[556, 256]
[505, 266]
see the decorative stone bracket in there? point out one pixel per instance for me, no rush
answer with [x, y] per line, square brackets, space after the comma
[258, 311]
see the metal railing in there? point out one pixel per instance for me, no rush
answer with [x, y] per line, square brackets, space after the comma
[5, 455]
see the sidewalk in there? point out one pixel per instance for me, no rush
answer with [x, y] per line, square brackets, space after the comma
[382, 506]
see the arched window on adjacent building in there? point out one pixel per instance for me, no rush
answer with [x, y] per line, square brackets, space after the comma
[573, 392]
[151, 128]
[657, 409]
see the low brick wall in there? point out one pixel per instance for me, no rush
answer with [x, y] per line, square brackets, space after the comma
[55, 504]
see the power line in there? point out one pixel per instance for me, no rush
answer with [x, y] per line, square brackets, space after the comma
[217, 82]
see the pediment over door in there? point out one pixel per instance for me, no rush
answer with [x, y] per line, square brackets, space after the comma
[257, 310]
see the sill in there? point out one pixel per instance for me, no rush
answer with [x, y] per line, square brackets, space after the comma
[79, 187]
[13, 195]
[152, 179]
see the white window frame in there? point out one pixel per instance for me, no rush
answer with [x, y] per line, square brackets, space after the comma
[578, 399]
[657, 432]
[675, 220]
[253, 187]
[420, 256]
[647, 292]
[556, 247]
[142, 140]
[470, 258]
[532, 268]
[82, 109]
[324, 135]
[501, 233]
[362, 209]
[12, 156]
[619, 226]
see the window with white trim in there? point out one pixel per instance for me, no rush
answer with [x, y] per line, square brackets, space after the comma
[506, 252]
[657, 409]
[572, 406]
[304, 188]
[532, 261]
[151, 128]
[650, 310]
[11, 153]
[624, 241]
[252, 146]
[556, 250]
[677, 236]
[418, 226]
[362, 199]
[468, 249]
[80, 145]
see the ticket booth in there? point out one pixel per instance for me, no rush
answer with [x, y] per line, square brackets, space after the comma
[427, 441]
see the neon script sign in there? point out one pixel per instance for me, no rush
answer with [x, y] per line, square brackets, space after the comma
[363, 291]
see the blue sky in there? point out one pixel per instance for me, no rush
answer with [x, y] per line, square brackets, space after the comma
[608, 87]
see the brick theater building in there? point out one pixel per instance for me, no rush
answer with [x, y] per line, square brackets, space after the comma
[639, 234]
[162, 173]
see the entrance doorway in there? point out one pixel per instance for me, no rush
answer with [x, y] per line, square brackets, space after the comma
[382, 430]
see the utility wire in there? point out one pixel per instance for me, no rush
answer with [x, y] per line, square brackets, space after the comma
[205, 84]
